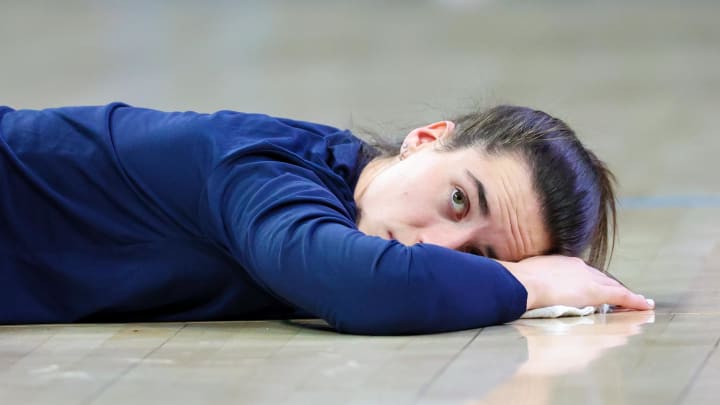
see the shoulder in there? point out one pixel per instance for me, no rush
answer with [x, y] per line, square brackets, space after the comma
[265, 146]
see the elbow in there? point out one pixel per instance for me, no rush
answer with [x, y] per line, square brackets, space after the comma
[382, 325]
[386, 317]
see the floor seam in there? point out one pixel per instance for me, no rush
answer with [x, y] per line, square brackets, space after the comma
[693, 380]
[33, 350]
[421, 392]
[107, 386]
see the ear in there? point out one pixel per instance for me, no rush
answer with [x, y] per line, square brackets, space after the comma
[425, 136]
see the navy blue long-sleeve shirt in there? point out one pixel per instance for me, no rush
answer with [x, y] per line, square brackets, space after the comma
[116, 214]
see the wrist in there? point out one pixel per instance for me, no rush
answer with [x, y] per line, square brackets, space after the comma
[526, 279]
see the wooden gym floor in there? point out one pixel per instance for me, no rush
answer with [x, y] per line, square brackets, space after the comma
[639, 81]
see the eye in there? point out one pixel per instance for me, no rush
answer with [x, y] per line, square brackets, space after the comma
[459, 202]
[473, 251]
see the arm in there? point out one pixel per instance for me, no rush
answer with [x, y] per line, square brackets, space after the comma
[294, 238]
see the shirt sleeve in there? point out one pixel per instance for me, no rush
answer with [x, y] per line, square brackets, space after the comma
[295, 239]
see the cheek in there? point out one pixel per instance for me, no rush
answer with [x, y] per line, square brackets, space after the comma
[423, 208]
[387, 198]
[408, 194]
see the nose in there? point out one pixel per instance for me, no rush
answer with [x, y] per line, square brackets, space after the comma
[447, 237]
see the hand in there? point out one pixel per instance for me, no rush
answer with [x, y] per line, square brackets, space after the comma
[562, 280]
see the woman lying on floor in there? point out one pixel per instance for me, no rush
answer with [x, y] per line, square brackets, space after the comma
[123, 214]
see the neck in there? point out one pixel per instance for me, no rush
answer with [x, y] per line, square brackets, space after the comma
[368, 174]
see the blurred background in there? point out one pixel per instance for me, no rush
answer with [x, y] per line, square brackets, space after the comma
[638, 80]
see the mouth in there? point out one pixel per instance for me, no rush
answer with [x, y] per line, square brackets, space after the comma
[390, 235]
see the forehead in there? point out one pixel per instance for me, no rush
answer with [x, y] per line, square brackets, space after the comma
[515, 228]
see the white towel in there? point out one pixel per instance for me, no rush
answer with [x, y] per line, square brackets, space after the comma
[557, 311]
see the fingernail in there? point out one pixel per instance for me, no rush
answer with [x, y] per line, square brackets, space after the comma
[650, 302]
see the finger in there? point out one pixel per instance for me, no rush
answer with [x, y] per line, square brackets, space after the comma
[607, 281]
[603, 279]
[615, 278]
[623, 297]
[606, 274]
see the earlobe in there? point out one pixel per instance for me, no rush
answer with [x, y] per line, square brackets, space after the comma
[403, 151]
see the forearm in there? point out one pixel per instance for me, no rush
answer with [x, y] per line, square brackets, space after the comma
[293, 240]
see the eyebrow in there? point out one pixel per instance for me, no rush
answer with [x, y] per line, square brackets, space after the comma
[484, 208]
